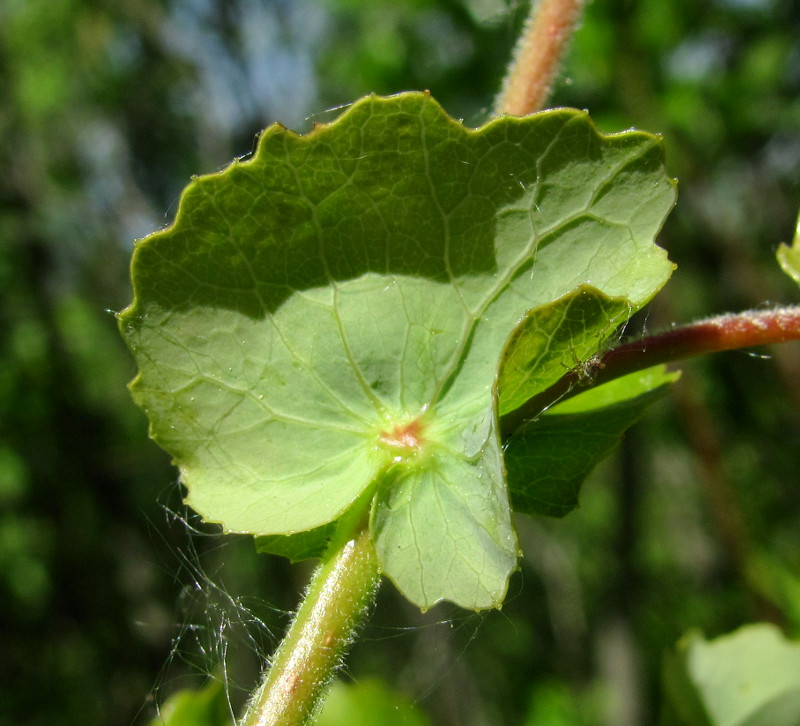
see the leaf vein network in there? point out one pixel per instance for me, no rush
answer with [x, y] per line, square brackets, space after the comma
[380, 407]
[315, 376]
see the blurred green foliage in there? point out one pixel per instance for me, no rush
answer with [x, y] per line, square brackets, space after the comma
[206, 706]
[106, 109]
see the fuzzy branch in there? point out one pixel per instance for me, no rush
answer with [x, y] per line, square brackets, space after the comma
[537, 57]
[726, 332]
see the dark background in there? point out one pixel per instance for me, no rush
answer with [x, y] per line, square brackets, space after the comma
[108, 605]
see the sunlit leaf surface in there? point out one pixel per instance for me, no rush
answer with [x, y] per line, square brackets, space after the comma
[329, 317]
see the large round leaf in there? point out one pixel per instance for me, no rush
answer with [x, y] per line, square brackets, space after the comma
[329, 316]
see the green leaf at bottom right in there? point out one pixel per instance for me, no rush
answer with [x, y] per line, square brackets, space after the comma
[748, 678]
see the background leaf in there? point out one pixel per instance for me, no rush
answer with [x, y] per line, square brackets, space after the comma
[207, 706]
[367, 703]
[748, 678]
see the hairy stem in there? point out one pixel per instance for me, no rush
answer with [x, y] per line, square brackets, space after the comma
[342, 588]
[539, 51]
[726, 332]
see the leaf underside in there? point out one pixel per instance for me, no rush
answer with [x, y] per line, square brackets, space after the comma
[330, 316]
[548, 459]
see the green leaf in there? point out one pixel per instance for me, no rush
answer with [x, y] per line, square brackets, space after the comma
[327, 319]
[207, 706]
[554, 338]
[548, 459]
[789, 257]
[306, 545]
[748, 678]
[367, 703]
[625, 390]
[553, 703]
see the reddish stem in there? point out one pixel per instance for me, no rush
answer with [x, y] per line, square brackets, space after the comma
[540, 49]
[726, 332]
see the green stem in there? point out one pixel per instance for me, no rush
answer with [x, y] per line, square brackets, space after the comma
[341, 589]
[539, 51]
[726, 332]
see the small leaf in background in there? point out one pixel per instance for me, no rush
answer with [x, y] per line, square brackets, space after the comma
[306, 545]
[553, 702]
[207, 706]
[748, 678]
[778, 582]
[789, 257]
[550, 457]
[367, 703]
[327, 319]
